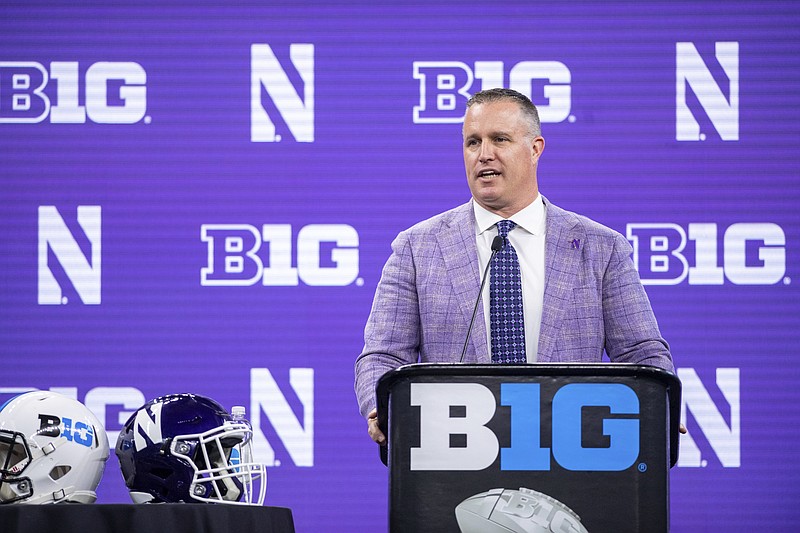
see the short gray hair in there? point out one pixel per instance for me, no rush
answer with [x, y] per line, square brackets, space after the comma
[510, 95]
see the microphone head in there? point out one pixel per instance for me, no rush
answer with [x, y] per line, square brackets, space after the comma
[498, 243]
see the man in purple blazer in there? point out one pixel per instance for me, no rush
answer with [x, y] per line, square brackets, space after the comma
[581, 294]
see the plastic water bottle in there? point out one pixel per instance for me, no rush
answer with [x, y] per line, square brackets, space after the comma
[238, 413]
[238, 416]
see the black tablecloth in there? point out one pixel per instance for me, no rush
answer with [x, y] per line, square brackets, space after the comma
[144, 518]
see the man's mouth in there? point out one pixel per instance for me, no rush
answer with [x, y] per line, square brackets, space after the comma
[488, 174]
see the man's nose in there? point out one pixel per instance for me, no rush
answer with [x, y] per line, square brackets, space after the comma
[486, 153]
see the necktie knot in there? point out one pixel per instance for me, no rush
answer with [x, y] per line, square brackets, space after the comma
[504, 226]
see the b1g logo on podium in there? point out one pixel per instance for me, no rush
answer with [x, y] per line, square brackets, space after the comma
[461, 412]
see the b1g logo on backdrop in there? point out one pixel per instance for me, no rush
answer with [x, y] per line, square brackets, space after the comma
[284, 104]
[445, 87]
[753, 253]
[481, 446]
[69, 253]
[113, 92]
[722, 112]
[326, 254]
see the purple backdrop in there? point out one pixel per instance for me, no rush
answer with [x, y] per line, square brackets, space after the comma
[199, 198]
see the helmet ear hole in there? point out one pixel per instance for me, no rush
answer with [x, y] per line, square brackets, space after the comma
[59, 471]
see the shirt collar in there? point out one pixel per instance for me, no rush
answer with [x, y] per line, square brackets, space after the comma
[531, 218]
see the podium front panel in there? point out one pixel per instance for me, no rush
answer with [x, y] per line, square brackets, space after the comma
[522, 449]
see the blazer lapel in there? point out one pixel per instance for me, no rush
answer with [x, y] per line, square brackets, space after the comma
[460, 252]
[564, 242]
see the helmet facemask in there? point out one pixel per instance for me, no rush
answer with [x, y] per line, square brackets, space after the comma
[223, 467]
[15, 456]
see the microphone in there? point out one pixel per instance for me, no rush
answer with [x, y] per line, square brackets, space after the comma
[497, 244]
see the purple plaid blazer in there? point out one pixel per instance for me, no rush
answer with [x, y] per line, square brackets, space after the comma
[593, 300]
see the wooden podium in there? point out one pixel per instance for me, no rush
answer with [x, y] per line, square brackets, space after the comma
[529, 448]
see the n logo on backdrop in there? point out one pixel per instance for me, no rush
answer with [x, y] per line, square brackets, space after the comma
[286, 103]
[692, 71]
[57, 241]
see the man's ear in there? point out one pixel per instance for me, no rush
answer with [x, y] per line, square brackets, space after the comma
[537, 147]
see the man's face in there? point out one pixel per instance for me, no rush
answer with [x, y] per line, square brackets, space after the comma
[500, 157]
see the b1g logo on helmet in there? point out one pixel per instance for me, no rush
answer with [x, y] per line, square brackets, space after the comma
[77, 432]
[114, 93]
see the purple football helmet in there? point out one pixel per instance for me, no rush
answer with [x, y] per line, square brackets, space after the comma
[188, 448]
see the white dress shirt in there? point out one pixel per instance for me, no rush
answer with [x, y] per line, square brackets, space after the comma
[527, 238]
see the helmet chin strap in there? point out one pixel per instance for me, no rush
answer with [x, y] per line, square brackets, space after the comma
[233, 492]
[218, 481]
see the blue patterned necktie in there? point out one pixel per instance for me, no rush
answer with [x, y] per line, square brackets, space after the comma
[505, 308]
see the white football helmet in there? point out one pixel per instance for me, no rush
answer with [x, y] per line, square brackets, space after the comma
[52, 450]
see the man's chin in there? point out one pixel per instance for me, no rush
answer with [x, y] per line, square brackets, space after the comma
[489, 202]
[487, 195]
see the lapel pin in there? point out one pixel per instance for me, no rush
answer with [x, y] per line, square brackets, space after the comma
[576, 244]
